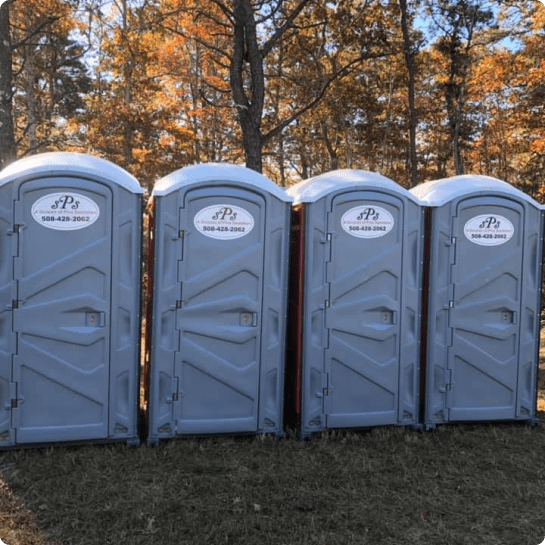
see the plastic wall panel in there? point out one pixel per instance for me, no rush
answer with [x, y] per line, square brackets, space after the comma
[439, 335]
[531, 315]
[271, 391]
[126, 301]
[164, 339]
[315, 293]
[8, 293]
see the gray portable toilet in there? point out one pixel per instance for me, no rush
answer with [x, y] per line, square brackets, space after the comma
[70, 239]
[483, 300]
[219, 297]
[360, 280]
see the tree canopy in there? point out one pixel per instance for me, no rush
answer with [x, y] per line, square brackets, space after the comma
[414, 90]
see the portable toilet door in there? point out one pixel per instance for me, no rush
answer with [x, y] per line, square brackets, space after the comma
[484, 300]
[221, 240]
[70, 237]
[362, 240]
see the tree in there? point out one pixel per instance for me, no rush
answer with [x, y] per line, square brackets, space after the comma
[48, 75]
[410, 48]
[8, 150]
[457, 21]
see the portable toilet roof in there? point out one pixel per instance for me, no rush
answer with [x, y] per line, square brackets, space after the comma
[314, 189]
[209, 172]
[438, 192]
[66, 163]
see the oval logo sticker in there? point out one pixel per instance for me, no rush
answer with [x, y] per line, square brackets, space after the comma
[65, 211]
[489, 230]
[223, 221]
[367, 221]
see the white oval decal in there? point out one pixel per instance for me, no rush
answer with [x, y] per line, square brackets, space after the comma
[367, 221]
[489, 230]
[223, 221]
[65, 211]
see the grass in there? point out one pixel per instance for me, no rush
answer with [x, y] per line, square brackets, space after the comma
[459, 484]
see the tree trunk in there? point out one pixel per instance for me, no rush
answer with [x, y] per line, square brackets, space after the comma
[413, 119]
[252, 141]
[247, 80]
[8, 152]
[32, 120]
[127, 96]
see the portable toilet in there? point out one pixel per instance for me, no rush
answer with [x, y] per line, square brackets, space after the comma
[219, 299]
[70, 239]
[485, 261]
[361, 240]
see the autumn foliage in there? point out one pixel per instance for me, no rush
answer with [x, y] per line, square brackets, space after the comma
[294, 87]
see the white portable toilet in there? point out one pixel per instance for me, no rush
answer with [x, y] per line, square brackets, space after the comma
[70, 239]
[485, 259]
[361, 243]
[220, 270]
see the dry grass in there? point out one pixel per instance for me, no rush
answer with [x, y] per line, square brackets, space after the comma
[17, 524]
[460, 484]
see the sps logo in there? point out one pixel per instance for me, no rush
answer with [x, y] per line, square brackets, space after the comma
[368, 214]
[225, 213]
[490, 222]
[64, 202]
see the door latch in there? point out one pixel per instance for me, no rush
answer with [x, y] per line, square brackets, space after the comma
[248, 319]
[95, 319]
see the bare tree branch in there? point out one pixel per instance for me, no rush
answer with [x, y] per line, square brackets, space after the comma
[339, 74]
[273, 40]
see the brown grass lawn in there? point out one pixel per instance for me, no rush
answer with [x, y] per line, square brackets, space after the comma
[479, 484]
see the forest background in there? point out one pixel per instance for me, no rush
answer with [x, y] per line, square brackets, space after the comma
[415, 90]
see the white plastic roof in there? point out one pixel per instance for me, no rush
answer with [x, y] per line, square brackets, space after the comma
[217, 172]
[69, 163]
[439, 192]
[315, 188]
